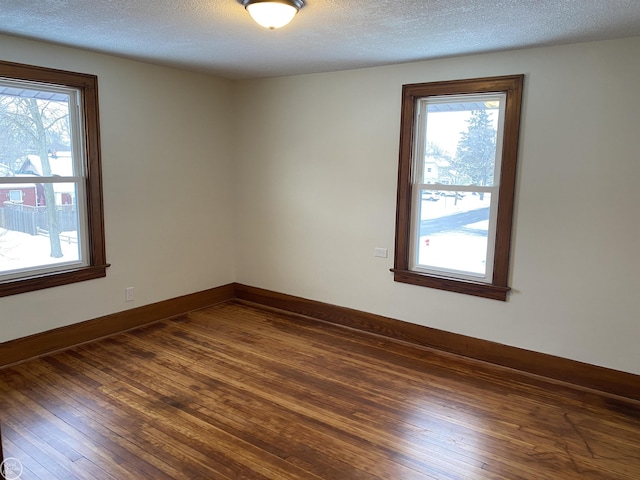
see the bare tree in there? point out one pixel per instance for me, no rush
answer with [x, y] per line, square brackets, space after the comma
[31, 125]
[49, 195]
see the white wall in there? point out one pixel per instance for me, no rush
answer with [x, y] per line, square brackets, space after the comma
[315, 179]
[316, 168]
[167, 172]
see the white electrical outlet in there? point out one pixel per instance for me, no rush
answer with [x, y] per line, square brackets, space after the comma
[128, 294]
[381, 252]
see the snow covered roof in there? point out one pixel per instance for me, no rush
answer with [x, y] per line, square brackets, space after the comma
[61, 164]
[439, 161]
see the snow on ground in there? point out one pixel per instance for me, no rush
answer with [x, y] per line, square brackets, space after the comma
[462, 248]
[20, 250]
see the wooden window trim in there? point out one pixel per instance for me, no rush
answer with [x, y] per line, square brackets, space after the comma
[88, 86]
[512, 85]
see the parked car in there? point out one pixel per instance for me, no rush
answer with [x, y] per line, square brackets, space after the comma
[452, 194]
[430, 196]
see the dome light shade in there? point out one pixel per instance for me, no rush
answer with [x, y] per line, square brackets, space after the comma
[272, 14]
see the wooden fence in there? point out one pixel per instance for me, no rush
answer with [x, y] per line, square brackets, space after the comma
[29, 219]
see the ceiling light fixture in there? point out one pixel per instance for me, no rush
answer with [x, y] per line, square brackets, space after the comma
[272, 14]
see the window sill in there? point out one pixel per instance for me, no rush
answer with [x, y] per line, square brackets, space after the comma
[485, 290]
[54, 279]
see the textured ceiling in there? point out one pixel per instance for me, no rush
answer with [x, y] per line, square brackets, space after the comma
[219, 37]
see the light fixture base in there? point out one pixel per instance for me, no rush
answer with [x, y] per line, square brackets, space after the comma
[272, 14]
[298, 4]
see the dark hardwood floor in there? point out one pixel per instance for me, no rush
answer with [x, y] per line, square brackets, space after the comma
[234, 391]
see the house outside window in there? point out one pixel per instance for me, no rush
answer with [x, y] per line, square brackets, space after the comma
[15, 196]
[49, 154]
[456, 184]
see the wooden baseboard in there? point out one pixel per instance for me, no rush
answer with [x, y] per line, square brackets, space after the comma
[580, 374]
[612, 382]
[60, 338]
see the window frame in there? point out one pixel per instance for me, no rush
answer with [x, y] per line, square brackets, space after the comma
[87, 86]
[512, 86]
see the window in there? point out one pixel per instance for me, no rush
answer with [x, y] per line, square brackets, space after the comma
[51, 215]
[15, 196]
[456, 182]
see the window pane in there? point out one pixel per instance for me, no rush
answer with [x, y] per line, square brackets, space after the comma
[34, 236]
[39, 218]
[454, 235]
[460, 141]
[35, 133]
[454, 232]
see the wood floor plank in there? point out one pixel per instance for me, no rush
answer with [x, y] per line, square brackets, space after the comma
[324, 409]
[233, 391]
[120, 397]
[140, 396]
[39, 453]
[124, 431]
[293, 400]
[290, 401]
[334, 401]
[29, 466]
[238, 416]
